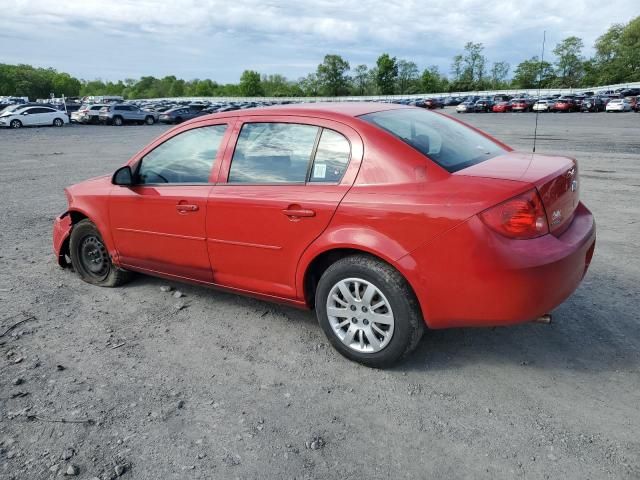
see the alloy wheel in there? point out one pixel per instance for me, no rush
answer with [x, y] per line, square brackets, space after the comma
[360, 315]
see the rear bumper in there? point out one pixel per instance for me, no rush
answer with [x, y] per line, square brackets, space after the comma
[471, 276]
[61, 232]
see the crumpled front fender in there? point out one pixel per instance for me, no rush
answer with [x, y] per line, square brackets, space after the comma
[61, 232]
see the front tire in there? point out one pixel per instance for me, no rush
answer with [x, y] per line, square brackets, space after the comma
[149, 120]
[368, 311]
[15, 124]
[58, 122]
[90, 258]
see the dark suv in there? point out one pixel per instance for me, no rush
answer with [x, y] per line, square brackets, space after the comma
[484, 105]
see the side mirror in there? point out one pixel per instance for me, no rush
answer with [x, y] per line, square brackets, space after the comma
[25, 113]
[123, 176]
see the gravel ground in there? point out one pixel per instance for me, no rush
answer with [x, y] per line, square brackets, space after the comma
[213, 385]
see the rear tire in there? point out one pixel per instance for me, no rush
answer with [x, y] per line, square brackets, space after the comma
[149, 120]
[90, 258]
[391, 313]
[117, 121]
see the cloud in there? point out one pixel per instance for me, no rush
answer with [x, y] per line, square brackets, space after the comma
[219, 39]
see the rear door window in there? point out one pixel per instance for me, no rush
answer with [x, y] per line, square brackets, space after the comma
[272, 153]
[331, 158]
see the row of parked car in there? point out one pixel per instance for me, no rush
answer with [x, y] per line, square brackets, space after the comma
[150, 112]
[555, 103]
[115, 111]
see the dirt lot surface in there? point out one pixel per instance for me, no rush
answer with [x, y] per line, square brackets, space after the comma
[213, 385]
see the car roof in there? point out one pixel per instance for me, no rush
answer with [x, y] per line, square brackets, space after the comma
[334, 110]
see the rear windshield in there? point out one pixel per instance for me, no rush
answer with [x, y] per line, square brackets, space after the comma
[450, 144]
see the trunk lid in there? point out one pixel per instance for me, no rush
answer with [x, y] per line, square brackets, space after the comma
[555, 178]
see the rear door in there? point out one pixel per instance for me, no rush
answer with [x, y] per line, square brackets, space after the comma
[158, 224]
[281, 181]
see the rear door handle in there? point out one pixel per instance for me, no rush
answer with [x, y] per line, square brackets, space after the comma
[299, 212]
[184, 208]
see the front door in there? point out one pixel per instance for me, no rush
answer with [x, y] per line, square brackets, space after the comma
[284, 181]
[158, 224]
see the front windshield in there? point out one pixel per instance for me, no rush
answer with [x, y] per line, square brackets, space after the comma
[11, 108]
[450, 144]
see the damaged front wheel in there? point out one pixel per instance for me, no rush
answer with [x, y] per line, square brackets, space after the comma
[90, 258]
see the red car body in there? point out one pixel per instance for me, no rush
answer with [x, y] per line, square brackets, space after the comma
[393, 203]
[521, 105]
[565, 105]
[501, 107]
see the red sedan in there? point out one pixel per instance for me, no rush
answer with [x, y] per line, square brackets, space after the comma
[501, 107]
[386, 219]
[565, 105]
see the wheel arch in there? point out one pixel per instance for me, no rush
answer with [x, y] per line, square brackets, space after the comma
[63, 252]
[318, 264]
[76, 214]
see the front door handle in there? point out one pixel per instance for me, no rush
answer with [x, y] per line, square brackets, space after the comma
[184, 208]
[299, 212]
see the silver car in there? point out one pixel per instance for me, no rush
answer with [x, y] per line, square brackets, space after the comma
[120, 113]
[466, 107]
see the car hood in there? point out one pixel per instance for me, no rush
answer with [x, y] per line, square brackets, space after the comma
[96, 185]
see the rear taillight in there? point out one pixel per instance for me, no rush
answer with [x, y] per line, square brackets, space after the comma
[522, 217]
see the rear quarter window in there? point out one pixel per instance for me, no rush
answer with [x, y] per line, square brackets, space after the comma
[446, 142]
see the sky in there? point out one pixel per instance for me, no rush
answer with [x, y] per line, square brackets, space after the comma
[220, 39]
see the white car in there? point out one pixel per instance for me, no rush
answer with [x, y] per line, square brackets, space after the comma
[542, 106]
[618, 105]
[33, 116]
[87, 113]
[465, 107]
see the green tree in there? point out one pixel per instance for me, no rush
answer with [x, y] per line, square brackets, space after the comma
[177, 88]
[332, 75]
[499, 74]
[569, 63]
[277, 85]
[407, 76]
[360, 79]
[474, 64]
[457, 68]
[310, 85]
[250, 84]
[527, 73]
[205, 88]
[617, 57]
[431, 81]
[386, 74]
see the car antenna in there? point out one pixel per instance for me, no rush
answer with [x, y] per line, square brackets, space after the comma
[535, 130]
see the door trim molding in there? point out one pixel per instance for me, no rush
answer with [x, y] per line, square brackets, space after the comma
[245, 244]
[162, 234]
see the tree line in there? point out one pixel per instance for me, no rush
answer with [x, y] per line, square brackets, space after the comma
[616, 60]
